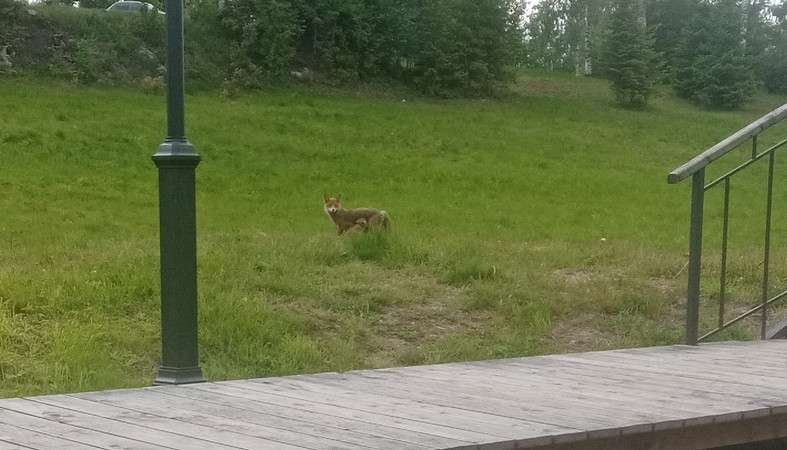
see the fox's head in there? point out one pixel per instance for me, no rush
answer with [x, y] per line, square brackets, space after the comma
[332, 204]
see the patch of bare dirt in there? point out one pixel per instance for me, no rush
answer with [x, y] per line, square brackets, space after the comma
[578, 333]
[538, 87]
[404, 327]
[428, 322]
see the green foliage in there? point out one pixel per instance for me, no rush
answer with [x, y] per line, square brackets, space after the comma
[15, 22]
[349, 40]
[12, 13]
[548, 46]
[207, 45]
[630, 62]
[568, 35]
[93, 46]
[263, 36]
[459, 47]
[714, 69]
[455, 48]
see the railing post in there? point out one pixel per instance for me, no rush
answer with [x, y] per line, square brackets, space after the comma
[695, 257]
[724, 239]
[767, 257]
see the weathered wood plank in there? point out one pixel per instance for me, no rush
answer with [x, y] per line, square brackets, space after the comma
[335, 416]
[27, 415]
[296, 432]
[558, 403]
[686, 369]
[602, 380]
[606, 372]
[419, 416]
[176, 423]
[411, 401]
[676, 397]
[589, 385]
[12, 437]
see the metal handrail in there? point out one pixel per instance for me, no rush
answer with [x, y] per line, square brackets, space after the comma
[743, 316]
[731, 143]
[695, 168]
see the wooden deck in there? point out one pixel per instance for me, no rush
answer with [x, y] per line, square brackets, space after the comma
[672, 398]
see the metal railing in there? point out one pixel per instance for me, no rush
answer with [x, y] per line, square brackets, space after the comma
[696, 170]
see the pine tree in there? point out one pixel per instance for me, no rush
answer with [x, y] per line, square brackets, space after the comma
[630, 62]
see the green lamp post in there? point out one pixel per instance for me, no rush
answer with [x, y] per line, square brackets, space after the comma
[177, 160]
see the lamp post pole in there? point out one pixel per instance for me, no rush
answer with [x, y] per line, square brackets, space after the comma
[176, 160]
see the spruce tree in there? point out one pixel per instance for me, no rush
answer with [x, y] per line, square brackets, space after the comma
[630, 62]
[668, 19]
[775, 56]
[713, 67]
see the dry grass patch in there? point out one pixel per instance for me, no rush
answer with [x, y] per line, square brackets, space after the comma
[401, 330]
[574, 277]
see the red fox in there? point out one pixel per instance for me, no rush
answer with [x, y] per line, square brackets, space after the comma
[360, 219]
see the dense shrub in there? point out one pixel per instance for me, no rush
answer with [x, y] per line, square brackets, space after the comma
[13, 15]
[86, 45]
[442, 48]
[17, 30]
[452, 47]
[106, 48]
[262, 38]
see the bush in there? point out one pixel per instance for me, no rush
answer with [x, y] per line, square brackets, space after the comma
[207, 48]
[93, 46]
[13, 15]
[263, 38]
[18, 30]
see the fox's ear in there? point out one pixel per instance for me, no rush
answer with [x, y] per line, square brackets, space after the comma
[338, 197]
[325, 197]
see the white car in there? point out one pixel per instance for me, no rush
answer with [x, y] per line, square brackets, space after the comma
[132, 6]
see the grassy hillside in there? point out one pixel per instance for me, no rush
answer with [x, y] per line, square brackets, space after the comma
[538, 224]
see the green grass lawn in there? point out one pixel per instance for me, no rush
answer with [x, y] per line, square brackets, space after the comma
[536, 224]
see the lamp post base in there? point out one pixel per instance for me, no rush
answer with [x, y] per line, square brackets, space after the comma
[169, 375]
